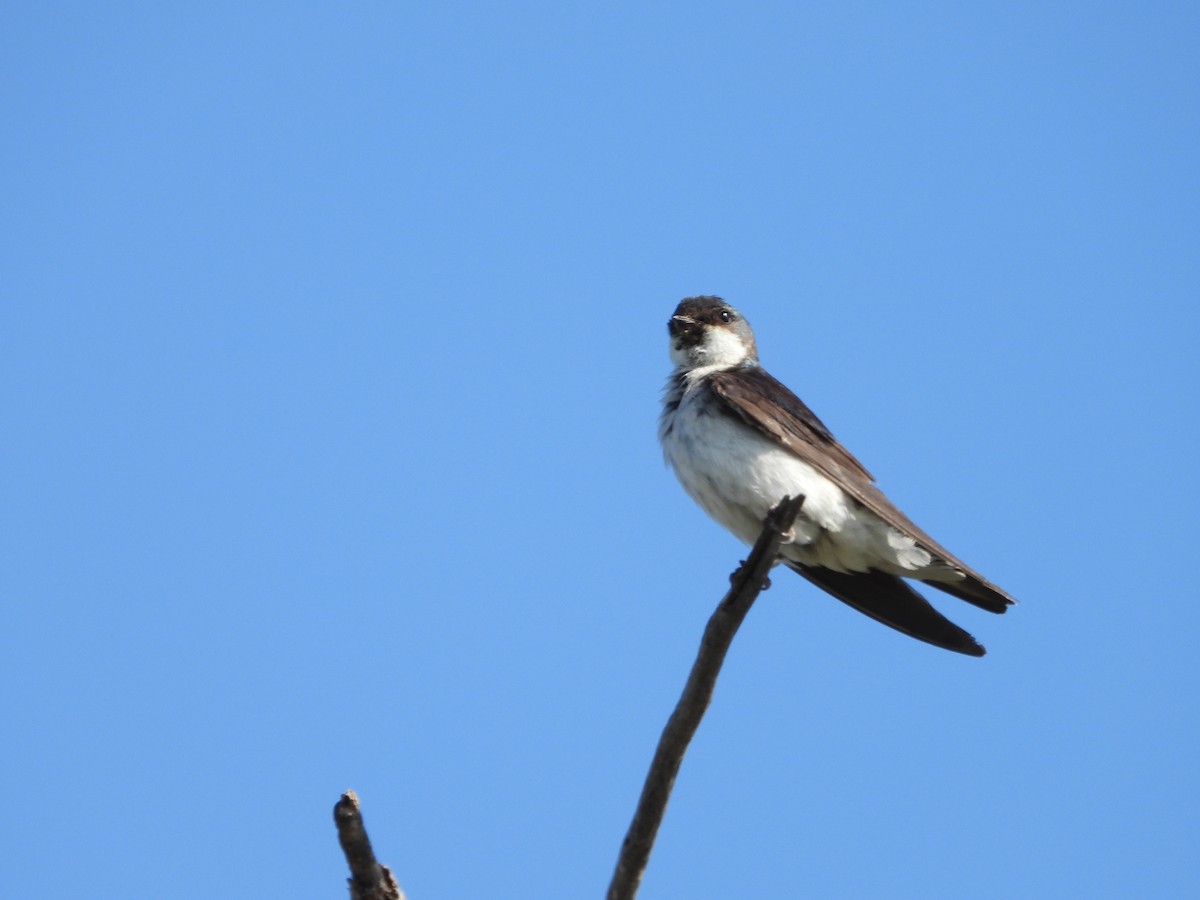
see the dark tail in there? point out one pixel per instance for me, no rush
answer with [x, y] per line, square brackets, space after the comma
[890, 600]
[977, 592]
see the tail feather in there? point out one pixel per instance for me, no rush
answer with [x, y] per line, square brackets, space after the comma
[892, 601]
[975, 591]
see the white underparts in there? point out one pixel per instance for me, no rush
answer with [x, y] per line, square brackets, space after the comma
[737, 474]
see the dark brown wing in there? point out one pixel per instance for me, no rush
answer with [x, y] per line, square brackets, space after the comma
[889, 599]
[767, 405]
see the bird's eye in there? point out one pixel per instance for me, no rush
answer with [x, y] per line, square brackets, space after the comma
[726, 316]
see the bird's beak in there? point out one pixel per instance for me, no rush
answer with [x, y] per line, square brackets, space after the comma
[680, 324]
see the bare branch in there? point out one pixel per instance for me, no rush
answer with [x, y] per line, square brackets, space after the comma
[368, 879]
[746, 584]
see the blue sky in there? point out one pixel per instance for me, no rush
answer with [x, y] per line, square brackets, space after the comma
[331, 350]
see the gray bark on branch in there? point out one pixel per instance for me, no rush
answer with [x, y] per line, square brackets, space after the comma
[745, 585]
[369, 880]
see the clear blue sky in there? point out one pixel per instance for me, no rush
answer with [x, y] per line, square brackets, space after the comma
[330, 348]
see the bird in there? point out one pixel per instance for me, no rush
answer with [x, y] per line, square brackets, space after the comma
[739, 441]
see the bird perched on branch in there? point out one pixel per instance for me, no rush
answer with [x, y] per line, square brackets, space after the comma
[739, 441]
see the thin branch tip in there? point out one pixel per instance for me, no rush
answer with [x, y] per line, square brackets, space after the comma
[746, 582]
[783, 515]
[369, 879]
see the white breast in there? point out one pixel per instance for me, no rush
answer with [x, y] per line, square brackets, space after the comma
[737, 474]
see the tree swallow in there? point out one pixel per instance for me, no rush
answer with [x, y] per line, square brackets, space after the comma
[739, 442]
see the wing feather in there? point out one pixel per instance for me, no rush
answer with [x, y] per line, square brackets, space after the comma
[766, 404]
[889, 599]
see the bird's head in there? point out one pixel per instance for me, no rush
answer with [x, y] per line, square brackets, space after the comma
[708, 332]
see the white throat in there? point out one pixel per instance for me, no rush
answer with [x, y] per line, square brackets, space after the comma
[720, 349]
